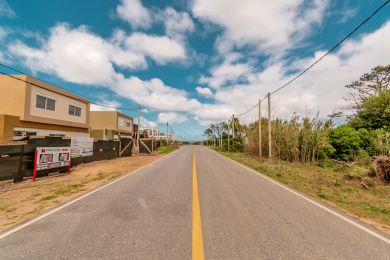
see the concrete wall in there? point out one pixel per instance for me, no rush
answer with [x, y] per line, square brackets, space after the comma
[13, 93]
[103, 120]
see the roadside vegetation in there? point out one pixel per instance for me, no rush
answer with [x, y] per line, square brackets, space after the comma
[346, 165]
[165, 149]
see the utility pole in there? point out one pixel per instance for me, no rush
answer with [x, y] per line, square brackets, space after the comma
[233, 129]
[167, 134]
[228, 136]
[269, 127]
[139, 124]
[260, 150]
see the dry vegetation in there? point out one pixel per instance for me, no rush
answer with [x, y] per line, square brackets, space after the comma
[24, 200]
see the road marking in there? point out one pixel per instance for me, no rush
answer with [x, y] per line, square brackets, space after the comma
[333, 212]
[197, 240]
[17, 228]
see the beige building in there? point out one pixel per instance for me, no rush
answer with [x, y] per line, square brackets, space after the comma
[37, 108]
[110, 125]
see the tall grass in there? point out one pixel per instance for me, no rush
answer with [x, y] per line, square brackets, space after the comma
[295, 140]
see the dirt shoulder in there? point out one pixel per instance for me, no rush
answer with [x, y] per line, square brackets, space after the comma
[328, 183]
[24, 200]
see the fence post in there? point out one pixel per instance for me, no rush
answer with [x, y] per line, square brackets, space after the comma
[269, 127]
[259, 122]
[19, 174]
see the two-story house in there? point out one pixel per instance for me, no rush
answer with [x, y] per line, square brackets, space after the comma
[30, 107]
[111, 125]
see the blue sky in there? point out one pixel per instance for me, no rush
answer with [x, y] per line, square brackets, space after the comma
[195, 62]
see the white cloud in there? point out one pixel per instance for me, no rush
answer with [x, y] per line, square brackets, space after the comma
[155, 94]
[147, 123]
[78, 56]
[171, 118]
[269, 25]
[177, 24]
[105, 106]
[160, 48]
[320, 89]
[134, 13]
[205, 92]
[226, 73]
[6, 10]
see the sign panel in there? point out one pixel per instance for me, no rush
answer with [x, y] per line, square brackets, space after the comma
[81, 147]
[52, 157]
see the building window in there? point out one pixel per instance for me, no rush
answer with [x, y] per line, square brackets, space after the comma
[74, 111]
[45, 103]
[128, 124]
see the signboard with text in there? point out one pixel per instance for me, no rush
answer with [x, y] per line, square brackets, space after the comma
[81, 147]
[52, 157]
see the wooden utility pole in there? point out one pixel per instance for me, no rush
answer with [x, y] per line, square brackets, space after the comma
[228, 136]
[233, 129]
[269, 127]
[167, 134]
[260, 150]
[139, 124]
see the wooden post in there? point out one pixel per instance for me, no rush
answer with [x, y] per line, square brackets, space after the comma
[139, 125]
[269, 127]
[259, 122]
[167, 133]
[35, 165]
[228, 136]
[233, 129]
[19, 174]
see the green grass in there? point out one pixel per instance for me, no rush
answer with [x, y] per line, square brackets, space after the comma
[324, 180]
[166, 149]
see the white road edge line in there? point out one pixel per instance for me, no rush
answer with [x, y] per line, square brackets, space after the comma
[384, 239]
[79, 198]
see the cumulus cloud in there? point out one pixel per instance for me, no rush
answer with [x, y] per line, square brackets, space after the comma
[279, 24]
[205, 92]
[134, 13]
[171, 118]
[320, 89]
[147, 123]
[78, 56]
[177, 24]
[160, 48]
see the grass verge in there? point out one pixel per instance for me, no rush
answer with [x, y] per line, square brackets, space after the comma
[166, 149]
[326, 181]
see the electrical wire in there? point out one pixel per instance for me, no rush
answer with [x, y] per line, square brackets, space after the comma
[333, 48]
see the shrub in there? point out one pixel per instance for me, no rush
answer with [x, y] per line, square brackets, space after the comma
[346, 141]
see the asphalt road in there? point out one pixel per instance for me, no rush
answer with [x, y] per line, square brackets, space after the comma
[150, 214]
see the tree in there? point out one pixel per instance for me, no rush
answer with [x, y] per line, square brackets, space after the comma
[370, 84]
[373, 112]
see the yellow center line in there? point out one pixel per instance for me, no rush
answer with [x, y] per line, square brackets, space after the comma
[197, 240]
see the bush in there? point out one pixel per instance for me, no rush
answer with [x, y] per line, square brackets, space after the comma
[346, 141]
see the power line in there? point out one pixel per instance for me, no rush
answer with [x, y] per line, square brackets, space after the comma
[40, 86]
[323, 56]
[334, 47]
